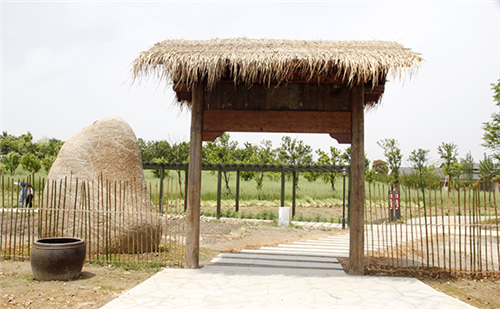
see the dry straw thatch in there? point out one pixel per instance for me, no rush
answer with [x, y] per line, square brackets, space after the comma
[267, 61]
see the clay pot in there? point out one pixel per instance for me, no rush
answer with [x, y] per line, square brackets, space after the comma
[57, 258]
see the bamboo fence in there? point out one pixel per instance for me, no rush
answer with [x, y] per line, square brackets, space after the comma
[96, 212]
[441, 232]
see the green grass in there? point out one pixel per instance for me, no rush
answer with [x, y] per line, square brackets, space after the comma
[268, 214]
[308, 193]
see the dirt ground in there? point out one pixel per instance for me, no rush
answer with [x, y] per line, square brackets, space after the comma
[98, 285]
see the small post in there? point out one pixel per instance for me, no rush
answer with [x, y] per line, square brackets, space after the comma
[293, 192]
[344, 173]
[282, 186]
[185, 189]
[162, 175]
[237, 191]
[219, 181]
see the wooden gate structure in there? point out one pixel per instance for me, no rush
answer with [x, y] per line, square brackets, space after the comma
[287, 86]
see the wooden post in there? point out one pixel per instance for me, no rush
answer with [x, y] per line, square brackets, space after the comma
[293, 192]
[219, 189]
[237, 191]
[194, 180]
[282, 185]
[185, 189]
[356, 244]
[162, 175]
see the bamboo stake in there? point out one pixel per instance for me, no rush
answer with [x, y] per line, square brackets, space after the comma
[371, 218]
[441, 203]
[497, 223]
[11, 217]
[436, 223]
[97, 222]
[19, 250]
[2, 243]
[74, 206]
[89, 216]
[412, 226]
[115, 224]
[478, 229]
[64, 206]
[107, 231]
[57, 213]
[14, 251]
[489, 227]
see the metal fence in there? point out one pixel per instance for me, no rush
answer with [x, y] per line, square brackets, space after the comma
[117, 220]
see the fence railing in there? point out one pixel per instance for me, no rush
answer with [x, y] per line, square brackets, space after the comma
[440, 232]
[117, 220]
[277, 168]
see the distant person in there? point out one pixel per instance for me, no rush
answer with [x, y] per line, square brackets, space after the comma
[29, 196]
[22, 196]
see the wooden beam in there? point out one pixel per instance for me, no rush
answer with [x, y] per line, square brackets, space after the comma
[342, 138]
[356, 243]
[372, 93]
[210, 136]
[194, 180]
[276, 121]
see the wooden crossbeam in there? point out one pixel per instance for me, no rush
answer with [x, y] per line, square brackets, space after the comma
[218, 121]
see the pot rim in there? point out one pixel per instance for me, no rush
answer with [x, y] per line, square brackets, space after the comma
[52, 242]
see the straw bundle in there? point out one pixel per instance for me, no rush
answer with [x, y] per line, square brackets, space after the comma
[267, 61]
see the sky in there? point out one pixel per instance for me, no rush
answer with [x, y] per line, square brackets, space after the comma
[66, 64]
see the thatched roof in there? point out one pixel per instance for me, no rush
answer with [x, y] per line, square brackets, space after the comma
[267, 61]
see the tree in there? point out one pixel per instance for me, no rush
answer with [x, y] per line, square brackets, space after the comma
[47, 162]
[449, 152]
[31, 163]
[380, 170]
[467, 164]
[151, 150]
[334, 158]
[180, 154]
[11, 161]
[49, 147]
[244, 156]
[265, 154]
[393, 155]
[222, 150]
[8, 144]
[491, 129]
[418, 160]
[346, 158]
[486, 168]
[293, 151]
[26, 144]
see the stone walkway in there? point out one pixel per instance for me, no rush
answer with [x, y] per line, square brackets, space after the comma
[300, 275]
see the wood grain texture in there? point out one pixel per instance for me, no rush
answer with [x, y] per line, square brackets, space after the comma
[356, 243]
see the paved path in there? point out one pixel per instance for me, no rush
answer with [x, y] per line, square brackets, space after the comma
[300, 275]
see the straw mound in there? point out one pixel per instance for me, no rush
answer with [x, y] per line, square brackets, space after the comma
[97, 184]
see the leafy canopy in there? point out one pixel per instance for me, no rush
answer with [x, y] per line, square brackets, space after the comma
[491, 129]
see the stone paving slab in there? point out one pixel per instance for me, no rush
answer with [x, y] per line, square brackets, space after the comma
[254, 287]
[258, 255]
[274, 263]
